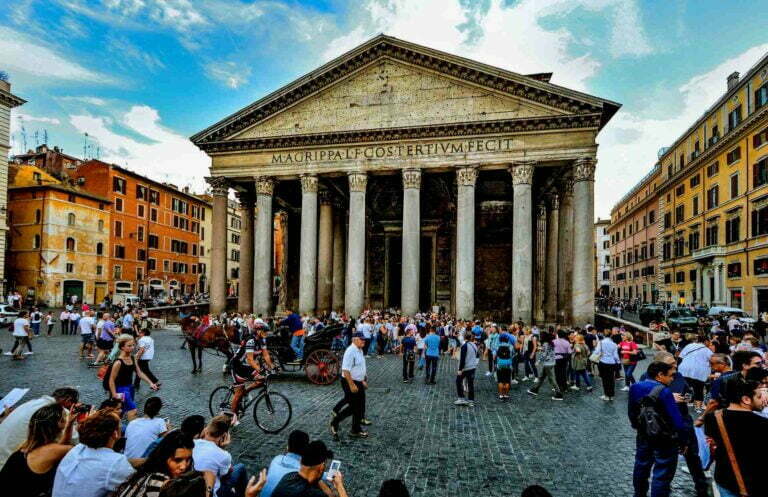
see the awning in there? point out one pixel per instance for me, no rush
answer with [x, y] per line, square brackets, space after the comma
[156, 287]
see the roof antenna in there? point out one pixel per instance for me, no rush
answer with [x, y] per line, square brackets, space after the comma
[23, 136]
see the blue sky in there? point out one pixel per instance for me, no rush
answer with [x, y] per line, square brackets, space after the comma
[140, 76]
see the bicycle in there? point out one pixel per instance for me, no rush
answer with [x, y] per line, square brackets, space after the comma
[272, 411]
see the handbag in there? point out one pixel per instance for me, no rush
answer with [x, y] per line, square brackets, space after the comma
[731, 455]
[641, 355]
[597, 354]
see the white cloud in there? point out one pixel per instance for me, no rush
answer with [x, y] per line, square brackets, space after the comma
[40, 64]
[160, 150]
[42, 119]
[628, 145]
[229, 73]
[85, 100]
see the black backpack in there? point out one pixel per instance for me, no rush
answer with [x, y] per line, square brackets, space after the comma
[651, 422]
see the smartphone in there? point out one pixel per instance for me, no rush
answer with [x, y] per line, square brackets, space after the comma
[333, 468]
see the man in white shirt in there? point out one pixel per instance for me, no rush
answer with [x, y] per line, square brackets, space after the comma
[35, 318]
[92, 468]
[144, 354]
[21, 335]
[216, 463]
[14, 429]
[141, 432]
[86, 326]
[353, 382]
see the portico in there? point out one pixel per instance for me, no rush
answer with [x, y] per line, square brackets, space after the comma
[410, 178]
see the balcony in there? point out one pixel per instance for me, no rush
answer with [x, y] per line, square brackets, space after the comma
[708, 252]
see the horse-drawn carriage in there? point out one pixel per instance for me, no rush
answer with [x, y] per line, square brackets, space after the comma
[321, 354]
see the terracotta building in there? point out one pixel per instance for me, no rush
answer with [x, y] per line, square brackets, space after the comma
[155, 230]
[58, 240]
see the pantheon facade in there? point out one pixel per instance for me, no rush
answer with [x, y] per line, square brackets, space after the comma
[404, 177]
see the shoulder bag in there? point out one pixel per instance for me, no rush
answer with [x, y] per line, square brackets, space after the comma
[731, 455]
[597, 354]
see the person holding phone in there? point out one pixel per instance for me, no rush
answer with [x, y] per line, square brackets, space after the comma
[308, 481]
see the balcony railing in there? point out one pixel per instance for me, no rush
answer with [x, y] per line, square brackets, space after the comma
[707, 252]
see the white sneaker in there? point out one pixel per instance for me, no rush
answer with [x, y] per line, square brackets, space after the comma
[489, 373]
[625, 389]
[7, 353]
[536, 380]
[603, 397]
[514, 382]
[574, 387]
[28, 353]
[460, 402]
[524, 378]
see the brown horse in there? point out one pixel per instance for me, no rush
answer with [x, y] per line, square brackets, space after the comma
[216, 337]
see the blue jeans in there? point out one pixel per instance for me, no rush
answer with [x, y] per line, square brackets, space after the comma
[36, 329]
[663, 462]
[372, 346]
[530, 366]
[297, 344]
[233, 484]
[581, 375]
[629, 379]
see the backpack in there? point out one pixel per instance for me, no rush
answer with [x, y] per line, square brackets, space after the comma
[104, 373]
[503, 356]
[651, 422]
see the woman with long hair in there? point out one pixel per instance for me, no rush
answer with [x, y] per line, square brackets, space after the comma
[171, 458]
[121, 376]
[32, 468]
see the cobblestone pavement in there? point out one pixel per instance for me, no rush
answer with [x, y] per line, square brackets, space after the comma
[578, 447]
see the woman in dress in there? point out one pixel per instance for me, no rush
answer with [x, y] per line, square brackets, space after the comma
[121, 376]
[32, 468]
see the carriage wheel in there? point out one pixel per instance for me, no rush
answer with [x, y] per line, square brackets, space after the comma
[322, 367]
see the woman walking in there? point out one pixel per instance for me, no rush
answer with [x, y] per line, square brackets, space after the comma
[579, 362]
[629, 356]
[606, 366]
[547, 358]
[530, 347]
[121, 376]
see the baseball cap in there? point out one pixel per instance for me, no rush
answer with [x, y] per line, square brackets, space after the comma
[315, 453]
[358, 334]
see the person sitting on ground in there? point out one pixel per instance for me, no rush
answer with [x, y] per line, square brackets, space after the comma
[92, 468]
[393, 488]
[286, 463]
[307, 481]
[192, 426]
[171, 459]
[33, 467]
[141, 432]
[224, 478]
[535, 491]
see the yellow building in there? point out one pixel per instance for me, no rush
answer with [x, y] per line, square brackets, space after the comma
[59, 238]
[713, 201]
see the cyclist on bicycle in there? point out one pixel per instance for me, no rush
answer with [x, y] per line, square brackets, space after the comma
[247, 371]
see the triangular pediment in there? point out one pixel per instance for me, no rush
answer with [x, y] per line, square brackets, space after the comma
[391, 94]
[388, 83]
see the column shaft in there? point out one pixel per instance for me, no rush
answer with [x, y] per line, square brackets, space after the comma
[540, 261]
[245, 296]
[338, 260]
[522, 241]
[465, 243]
[553, 262]
[325, 254]
[583, 241]
[354, 287]
[409, 283]
[308, 247]
[262, 261]
[565, 249]
[718, 284]
[706, 288]
[218, 285]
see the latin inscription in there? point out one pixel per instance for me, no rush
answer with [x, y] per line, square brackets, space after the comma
[395, 151]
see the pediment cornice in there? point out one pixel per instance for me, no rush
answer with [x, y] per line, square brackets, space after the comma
[499, 80]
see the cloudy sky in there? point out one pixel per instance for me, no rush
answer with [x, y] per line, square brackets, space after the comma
[140, 76]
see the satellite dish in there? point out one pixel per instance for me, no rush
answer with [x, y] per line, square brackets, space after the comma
[661, 152]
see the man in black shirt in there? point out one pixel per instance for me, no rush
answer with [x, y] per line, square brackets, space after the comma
[307, 482]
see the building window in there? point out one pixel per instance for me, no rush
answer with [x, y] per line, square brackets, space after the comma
[695, 202]
[666, 250]
[710, 235]
[70, 244]
[760, 221]
[235, 273]
[735, 185]
[118, 185]
[151, 264]
[139, 273]
[679, 247]
[70, 267]
[651, 217]
[667, 278]
[680, 190]
[692, 275]
[736, 298]
[760, 138]
[667, 220]
[99, 270]
[761, 266]
[119, 205]
[713, 197]
[734, 118]
[761, 96]
[99, 248]
[141, 254]
[140, 233]
[117, 272]
[693, 241]
[153, 215]
[695, 180]
[166, 265]
[732, 228]
[733, 156]
[101, 225]
[141, 193]
[679, 213]
[734, 270]
[234, 255]
[118, 228]
[37, 216]
[713, 169]
[760, 173]
[680, 277]
[71, 219]
[119, 252]
[154, 197]
[681, 161]
[36, 242]
[140, 210]
[153, 242]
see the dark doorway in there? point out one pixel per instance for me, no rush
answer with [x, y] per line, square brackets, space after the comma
[762, 302]
[425, 276]
[394, 270]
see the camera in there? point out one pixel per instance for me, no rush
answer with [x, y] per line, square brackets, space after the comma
[81, 408]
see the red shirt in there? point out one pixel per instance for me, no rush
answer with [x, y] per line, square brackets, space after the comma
[625, 348]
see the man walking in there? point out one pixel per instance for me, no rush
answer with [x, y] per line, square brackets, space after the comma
[432, 354]
[467, 364]
[409, 356]
[653, 413]
[353, 382]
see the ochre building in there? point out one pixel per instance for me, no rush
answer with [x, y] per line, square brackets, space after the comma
[713, 201]
[411, 178]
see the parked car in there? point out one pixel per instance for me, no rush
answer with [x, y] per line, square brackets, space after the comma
[746, 320]
[682, 319]
[125, 299]
[650, 312]
[7, 315]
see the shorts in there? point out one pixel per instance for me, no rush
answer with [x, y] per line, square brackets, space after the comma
[128, 393]
[503, 375]
[87, 338]
[105, 345]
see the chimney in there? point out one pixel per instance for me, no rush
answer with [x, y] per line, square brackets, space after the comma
[733, 80]
[42, 149]
[186, 189]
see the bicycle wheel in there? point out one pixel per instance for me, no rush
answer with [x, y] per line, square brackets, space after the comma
[220, 399]
[272, 412]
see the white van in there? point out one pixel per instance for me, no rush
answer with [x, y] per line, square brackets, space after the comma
[125, 300]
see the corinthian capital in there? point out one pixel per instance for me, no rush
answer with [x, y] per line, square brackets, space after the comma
[584, 169]
[219, 185]
[566, 187]
[265, 186]
[325, 197]
[412, 178]
[357, 182]
[308, 183]
[466, 176]
[522, 172]
[245, 198]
